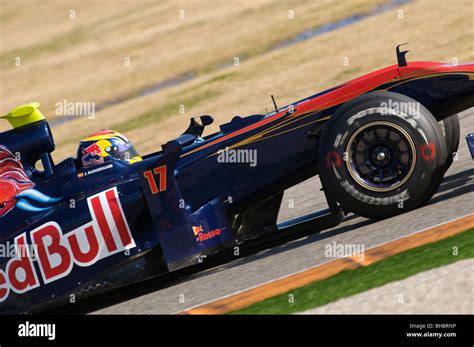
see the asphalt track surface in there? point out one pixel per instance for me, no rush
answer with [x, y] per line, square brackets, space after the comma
[178, 292]
[423, 293]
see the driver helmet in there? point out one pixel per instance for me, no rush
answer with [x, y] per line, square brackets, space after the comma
[105, 146]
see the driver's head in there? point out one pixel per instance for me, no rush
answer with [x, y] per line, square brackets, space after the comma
[104, 146]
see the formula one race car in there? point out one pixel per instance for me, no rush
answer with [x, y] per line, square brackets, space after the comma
[108, 217]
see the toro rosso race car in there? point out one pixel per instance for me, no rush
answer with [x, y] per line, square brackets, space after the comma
[380, 143]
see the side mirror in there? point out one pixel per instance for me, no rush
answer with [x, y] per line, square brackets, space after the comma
[196, 127]
[206, 120]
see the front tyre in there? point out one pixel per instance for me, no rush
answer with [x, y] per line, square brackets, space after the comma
[378, 154]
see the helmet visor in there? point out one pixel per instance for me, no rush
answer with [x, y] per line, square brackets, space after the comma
[125, 151]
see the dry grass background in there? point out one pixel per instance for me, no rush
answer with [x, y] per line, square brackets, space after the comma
[83, 59]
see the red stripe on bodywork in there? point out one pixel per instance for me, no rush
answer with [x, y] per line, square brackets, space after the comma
[352, 89]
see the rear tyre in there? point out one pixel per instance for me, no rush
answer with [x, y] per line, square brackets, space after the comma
[379, 153]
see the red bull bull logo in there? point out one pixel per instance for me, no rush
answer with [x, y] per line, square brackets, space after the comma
[16, 189]
[13, 180]
[94, 150]
[197, 230]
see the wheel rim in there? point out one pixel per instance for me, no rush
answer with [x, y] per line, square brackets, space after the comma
[381, 156]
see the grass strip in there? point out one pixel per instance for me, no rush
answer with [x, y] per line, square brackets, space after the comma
[350, 282]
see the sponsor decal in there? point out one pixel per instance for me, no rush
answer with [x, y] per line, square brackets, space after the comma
[378, 201]
[13, 180]
[197, 230]
[94, 171]
[16, 188]
[333, 158]
[428, 151]
[202, 235]
[57, 253]
[96, 152]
